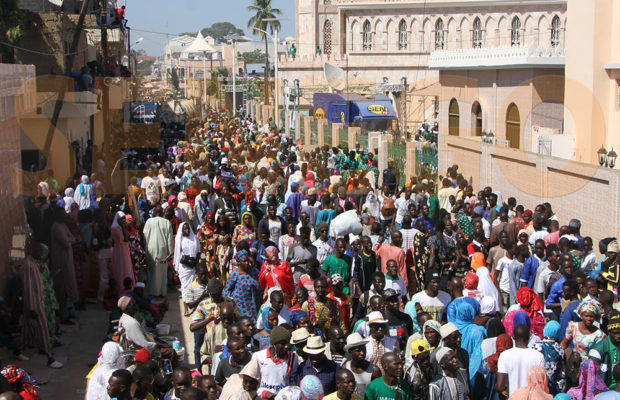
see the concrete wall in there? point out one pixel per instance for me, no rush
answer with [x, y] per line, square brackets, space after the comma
[592, 89]
[17, 96]
[575, 190]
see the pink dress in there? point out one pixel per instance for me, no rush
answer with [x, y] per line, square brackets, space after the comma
[121, 258]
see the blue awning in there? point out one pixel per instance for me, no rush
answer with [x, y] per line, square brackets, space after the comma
[372, 109]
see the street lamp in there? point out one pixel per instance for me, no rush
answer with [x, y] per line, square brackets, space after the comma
[275, 44]
[605, 158]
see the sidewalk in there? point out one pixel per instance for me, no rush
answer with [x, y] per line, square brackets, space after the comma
[81, 344]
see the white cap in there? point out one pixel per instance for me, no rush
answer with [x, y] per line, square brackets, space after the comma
[140, 284]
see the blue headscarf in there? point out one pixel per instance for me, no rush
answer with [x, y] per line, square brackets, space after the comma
[265, 315]
[411, 311]
[521, 318]
[297, 316]
[552, 329]
[472, 336]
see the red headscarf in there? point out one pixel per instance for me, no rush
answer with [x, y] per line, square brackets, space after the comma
[471, 281]
[531, 304]
[504, 342]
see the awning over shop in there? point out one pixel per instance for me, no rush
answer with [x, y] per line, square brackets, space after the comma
[372, 109]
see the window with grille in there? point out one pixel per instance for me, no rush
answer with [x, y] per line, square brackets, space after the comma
[327, 38]
[555, 31]
[439, 35]
[477, 34]
[515, 32]
[367, 36]
[402, 35]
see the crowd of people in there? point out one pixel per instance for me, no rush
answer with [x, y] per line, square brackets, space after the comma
[311, 274]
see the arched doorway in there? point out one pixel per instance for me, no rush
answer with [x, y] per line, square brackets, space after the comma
[453, 118]
[476, 119]
[513, 126]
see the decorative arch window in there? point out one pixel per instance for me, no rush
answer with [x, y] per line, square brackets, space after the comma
[366, 36]
[555, 31]
[515, 32]
[476, 39]
[402, 35]
[326, 2]
[439, 35]
[327, 37]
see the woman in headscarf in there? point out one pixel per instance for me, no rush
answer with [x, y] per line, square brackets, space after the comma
[173, 203]
[590, 382]
[270, 320]
[121, 257]
[20, 383]
[242, 287]
[554, 357]
[487, 287]
[136, 248]
[68, 200]
[584, 334]
[276, 273]
[109, 361]
[372, 206]
[185, 207]
[536, 388]
[502, 343]
[487, 311]
[186, 256]
[529, 302]
[431, 334]
[82, 193]
[472, 336]
[471, 287]
[207, 242]
[244, 231]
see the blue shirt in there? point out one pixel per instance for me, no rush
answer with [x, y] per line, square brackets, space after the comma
[428, 222]
[530, 266]
[555, 293]
[326, 373]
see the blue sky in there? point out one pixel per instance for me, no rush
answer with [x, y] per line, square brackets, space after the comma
[176, 16]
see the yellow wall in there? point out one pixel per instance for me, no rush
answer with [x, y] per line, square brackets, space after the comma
[592, 42]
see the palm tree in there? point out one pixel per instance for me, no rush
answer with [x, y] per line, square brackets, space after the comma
[262, 10]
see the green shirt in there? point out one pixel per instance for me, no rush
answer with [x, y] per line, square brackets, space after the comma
[378, 390]
[334, 265]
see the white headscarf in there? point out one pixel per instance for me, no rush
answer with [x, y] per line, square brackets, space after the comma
[372, 204]
[119, 214]
[486, 286]
[68, 199]
[110, 360]
[185, 245]
[45, 189]
[487, 305]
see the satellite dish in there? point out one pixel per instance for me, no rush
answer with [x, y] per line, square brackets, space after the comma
[335, 76]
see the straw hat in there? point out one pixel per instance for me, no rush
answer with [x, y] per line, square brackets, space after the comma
[315, 345]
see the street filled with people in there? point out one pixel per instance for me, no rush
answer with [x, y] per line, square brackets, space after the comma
[308, 274]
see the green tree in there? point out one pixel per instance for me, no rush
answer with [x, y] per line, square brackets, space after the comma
[174, 80]
[262, 10]
[12, 21]
[254, 57]
[220, 30]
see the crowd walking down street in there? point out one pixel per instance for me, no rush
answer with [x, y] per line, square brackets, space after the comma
[308, 274]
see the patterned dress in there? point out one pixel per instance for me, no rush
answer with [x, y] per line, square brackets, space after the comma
[49, 297]
[245, 291]
[207, 245]
[137, 253]
[582, 342]
[243, 233]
